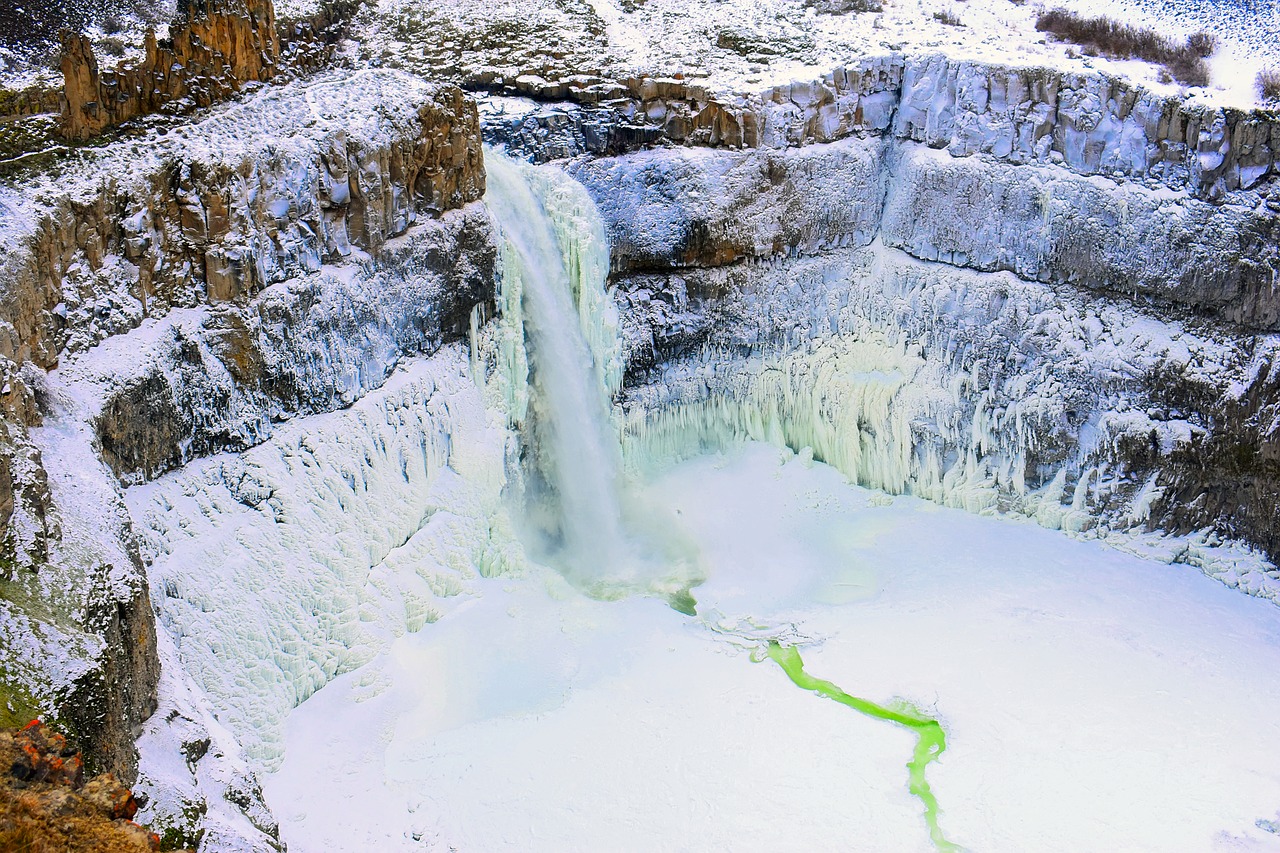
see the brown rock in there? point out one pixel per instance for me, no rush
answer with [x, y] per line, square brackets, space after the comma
[216, 47]
[45, 806]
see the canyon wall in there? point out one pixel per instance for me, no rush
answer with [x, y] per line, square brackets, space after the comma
[214, 49]
[171, 298]
[1004, 286]
[1091, 123]
[1024, 290]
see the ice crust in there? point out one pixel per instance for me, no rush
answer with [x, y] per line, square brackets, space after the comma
[280, 568]
[1092, 700]
[979, 391]
[855, 323]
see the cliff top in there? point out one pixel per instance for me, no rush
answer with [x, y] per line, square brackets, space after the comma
[735, 46]
[370, 105]
[747, 44]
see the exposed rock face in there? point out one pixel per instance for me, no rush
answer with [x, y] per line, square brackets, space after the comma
[1217, 254]
[219, 380]
[89, 659]
[692, 207]
[46, 804]
[1048, 225]
[213, 239]
[218, 215]
[29, 101]
[1089, 123]
[215, 48]
[746, 251]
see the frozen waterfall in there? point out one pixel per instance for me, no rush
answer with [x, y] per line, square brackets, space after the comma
[555, 307]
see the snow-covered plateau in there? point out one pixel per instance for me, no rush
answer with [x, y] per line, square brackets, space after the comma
[661, 425]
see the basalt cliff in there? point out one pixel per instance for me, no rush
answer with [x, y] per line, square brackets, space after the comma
[1029, 289]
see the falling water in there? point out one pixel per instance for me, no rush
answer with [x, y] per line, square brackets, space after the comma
[558, 282]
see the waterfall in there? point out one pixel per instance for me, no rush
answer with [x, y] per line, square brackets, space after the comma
[555, 258]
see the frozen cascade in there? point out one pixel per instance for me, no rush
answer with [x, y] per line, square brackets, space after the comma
[914, 378]
[559, 327]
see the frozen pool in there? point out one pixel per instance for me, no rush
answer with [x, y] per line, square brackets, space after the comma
[1091, 700]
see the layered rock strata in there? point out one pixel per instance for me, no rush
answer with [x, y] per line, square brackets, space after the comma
[1091, 123]
[730, 263]
[171, 299]
[213, 213]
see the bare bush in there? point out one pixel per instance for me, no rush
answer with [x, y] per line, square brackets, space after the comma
[1113, 39]
[1202, 44]
[1269, 84]
[947, 17]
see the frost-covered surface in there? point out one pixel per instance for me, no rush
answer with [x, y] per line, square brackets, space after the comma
[75, 632]
[976, 390]
[200, 380]
[262, 189]
[696, 207]
[1247, 31]
[734, 46]
[370, 104]
[317, 560]
[688, 206]
[197, 782]
[1092, 700]
[280, 568]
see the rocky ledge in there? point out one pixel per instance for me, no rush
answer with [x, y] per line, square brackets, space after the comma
[198, 254]
[46, 805]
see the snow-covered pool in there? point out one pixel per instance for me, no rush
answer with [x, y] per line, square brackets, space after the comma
[1091, 700]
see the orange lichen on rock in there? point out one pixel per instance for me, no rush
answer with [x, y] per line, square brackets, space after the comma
[47, 807]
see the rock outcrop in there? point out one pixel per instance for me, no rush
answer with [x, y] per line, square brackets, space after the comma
[214, 238]
[46, 804]
[747, 252]
[216, 212]
[214, 49]
[1089, 123]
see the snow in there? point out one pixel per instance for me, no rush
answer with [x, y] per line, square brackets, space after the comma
[739, 47]
[352, 602]
[280, 568]
[287, 126]
[1092, 700]
[192, 770]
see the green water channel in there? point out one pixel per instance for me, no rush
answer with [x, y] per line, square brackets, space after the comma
[931, 740]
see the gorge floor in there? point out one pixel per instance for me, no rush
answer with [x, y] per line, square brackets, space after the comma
[1092, 700]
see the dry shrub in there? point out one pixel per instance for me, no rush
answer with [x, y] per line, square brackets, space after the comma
[1124, 41]
[1269, 84]
[947, 17]
[1202, 44]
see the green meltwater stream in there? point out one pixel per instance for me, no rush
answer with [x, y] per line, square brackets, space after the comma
[931, 740]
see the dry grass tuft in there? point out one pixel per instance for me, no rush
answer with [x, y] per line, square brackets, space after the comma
[1102, 35]
[1202, 44]
[1269, 84]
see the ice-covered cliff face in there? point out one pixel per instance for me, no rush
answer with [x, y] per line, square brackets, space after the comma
[1046, 291]
[975, 330]
[167, 298]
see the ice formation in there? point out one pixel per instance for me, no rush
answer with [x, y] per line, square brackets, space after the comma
[278, 569]
[1091, 699]
[797, 281]
[557, 358]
